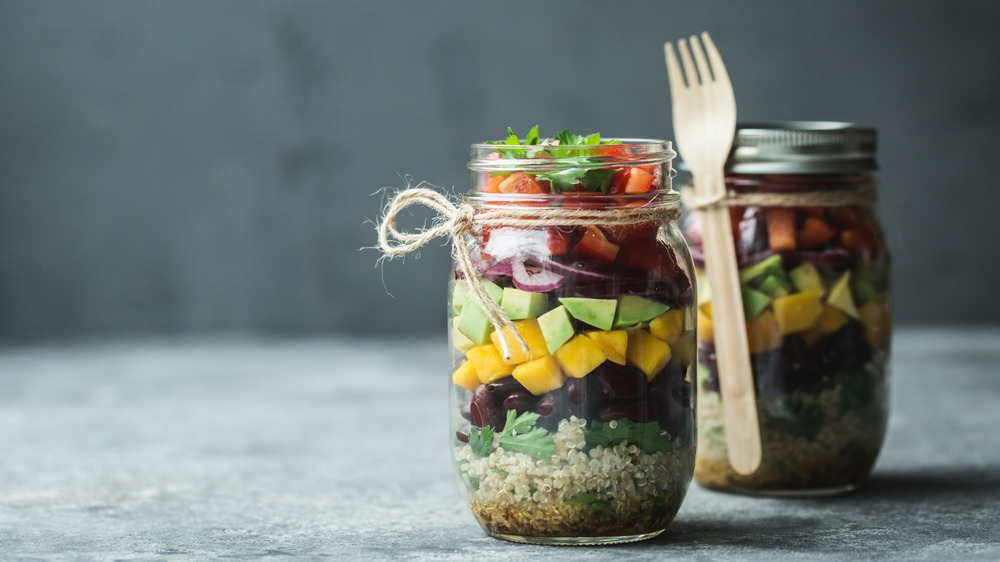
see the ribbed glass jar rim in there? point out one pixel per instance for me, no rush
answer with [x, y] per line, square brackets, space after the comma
[632, 152]
[594, 200]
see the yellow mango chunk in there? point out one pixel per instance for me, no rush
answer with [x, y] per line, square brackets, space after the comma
[798, 311]
[460, 340]
[763, 333]
[648, 352]
[831, 320]
[877, 320]
[579, 356]
[613, 343]
[532, 334]
[684, 348]
[668, 326]
[466, 377]
[705, 332]
[488, 363]
[539, 376]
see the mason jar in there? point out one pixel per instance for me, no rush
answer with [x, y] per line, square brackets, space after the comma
[815, 280]
[587, 436]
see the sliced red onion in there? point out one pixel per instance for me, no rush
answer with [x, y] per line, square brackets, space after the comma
[537, 281]
[577, 269]
[498, 269]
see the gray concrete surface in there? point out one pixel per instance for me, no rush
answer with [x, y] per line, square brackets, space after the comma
[267, 448]
[195, 167]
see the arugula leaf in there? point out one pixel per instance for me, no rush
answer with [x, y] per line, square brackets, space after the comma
[646, 436]
[598, 179]
[520, 435]
[590, 502]
[481, 441]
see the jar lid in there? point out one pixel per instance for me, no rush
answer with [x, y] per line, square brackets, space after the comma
[802, 147]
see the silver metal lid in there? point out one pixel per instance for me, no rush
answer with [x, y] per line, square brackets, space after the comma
[802, 147]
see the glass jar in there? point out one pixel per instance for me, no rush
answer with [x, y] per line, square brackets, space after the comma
[814, 273]
[588, 436]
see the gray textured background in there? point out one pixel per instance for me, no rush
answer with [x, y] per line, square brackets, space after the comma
[200, 167]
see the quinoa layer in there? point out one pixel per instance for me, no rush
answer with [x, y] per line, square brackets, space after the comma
[603, 491]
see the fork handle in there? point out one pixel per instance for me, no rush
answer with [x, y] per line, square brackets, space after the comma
[732, 351]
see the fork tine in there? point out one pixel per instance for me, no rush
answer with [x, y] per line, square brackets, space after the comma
[673, 69]
[718, 68]
[690, 72]
[699, 58]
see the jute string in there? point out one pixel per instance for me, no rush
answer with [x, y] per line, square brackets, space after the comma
[863, 195]
[461, 221]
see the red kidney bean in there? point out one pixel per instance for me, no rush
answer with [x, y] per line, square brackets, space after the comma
[519, 401]
[622, 383]
[642, 412]
[462, 437]
[611, 412]
[484, 409]
[551, 408]
[504, 387]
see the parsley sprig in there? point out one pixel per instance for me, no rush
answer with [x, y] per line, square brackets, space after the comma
[646, 436]
[519, 434]
[568, 150]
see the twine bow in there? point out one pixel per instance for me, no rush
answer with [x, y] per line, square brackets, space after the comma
[461, 221]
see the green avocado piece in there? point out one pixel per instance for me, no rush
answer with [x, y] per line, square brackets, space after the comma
[864, 291]
[770, 264]
[556, 327]
[473, 321]
[806, 278]
[754, 302]
[775, 286]
[518, 304]
[458, 295]
[840, 296]
[599, 313]
[633, 310]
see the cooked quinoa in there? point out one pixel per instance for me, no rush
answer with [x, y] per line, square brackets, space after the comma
[603, 491]
[841, 453]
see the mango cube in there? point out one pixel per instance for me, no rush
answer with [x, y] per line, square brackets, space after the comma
[539, 376]
[684, 348]
[668, 326]
[705, 332]
[647, 352]
[798, 311]
[613, 343]
[877, 320]
[831, 320]
[466, 377]
[579, 356]
[763, 333]
[532, 335]
[488, 363]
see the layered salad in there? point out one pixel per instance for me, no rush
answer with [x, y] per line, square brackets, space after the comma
[590, 431]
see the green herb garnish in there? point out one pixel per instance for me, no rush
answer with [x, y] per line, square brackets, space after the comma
[646, 436]
[568, 151]
[796, 418]
[481, 441]
[520, 435]
[499, 471]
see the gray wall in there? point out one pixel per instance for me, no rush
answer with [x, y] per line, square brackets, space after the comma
[196, 166]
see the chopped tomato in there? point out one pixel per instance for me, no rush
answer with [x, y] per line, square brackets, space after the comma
[638, 181]
[519, 182]
[646, 253]
[847, 217]
[617, 185]
[814, 232]
[781, 228]
[595, 245]
[862, 239]
[735, 217]
[493, 184]
[558, 240]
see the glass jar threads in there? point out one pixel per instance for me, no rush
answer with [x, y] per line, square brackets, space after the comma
[814, 275]
[585, 433]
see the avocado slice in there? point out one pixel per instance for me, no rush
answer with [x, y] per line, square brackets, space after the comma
[556, 327]
[599, 313]
[633, 309]
[518, 304]
[473, 321]
[806, 278]
[770, 264]
[754, 302]
[840, 296]
[774, 286]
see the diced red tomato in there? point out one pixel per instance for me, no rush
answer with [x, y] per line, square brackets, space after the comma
[646, 253]
[814, 232]
[492, 185]
[519, 182]
[558, 240]
[781, 228]
[861, 239]
[735, 217]
[617, 185]
[847, 217]
[638, 181]
[595, 245]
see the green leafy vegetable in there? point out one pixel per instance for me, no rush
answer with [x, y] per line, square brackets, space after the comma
[857, 388]
[499, 471]
[481, 441]
[582, 170]
[646, 436]
[590, 502]
[473, 482]
[520, 435]
[796, 418]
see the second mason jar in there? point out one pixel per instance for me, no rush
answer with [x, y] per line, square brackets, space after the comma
[814, 275]
[588, 436]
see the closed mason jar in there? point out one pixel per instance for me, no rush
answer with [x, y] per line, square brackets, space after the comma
[814, 274]
[588, 436]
